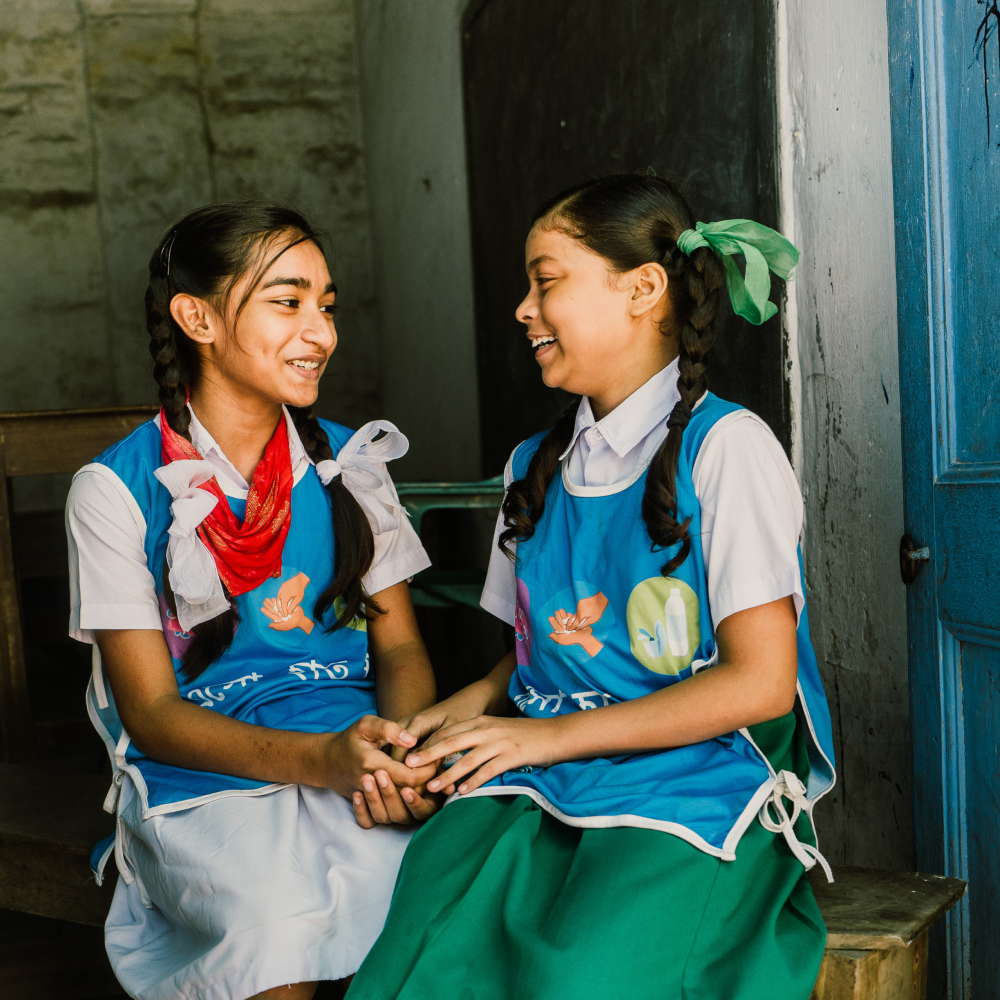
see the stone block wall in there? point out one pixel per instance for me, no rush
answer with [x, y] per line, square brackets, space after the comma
[116, 118]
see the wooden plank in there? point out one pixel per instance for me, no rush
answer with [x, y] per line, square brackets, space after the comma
[15, 711]
[60, 441]
[53, 883]
[49, 823]
[888, 974]
[43, 959]
[57, 809]
[870, 910]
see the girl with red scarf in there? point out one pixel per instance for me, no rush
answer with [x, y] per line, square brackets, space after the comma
[241, 566]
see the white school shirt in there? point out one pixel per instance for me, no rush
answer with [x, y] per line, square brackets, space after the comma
[111, 586]
[751, 506]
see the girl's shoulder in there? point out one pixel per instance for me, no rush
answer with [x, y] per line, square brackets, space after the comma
[522, 455]
[142, 443]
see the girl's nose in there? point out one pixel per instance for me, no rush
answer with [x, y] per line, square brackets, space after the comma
[527, 310]
[319, 331]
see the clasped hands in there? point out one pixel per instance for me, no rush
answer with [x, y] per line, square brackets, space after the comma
[491, 745]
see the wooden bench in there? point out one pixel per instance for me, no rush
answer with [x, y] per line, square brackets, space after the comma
[877, 924]
[50, 820]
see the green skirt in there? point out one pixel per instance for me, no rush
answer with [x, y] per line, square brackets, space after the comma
[498, 900]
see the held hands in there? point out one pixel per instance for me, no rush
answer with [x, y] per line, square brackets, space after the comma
[494, 745]
[380, 800]
[354, 759]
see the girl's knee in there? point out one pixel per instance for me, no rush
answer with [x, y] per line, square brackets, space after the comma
[293, 991]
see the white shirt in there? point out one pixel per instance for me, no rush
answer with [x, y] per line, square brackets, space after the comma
[111, 586]
[751, 507]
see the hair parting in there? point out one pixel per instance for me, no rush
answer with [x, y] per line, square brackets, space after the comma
[205, 255]
[631, 220]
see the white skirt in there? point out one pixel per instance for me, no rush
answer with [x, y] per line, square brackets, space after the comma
[238, 895]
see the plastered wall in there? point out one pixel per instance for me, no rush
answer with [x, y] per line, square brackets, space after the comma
[837, 148]
[411, 89]
[116, 118]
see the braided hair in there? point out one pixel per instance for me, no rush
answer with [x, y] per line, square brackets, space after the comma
[631, 220]
[206, 255]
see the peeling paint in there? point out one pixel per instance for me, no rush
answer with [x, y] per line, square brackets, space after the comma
[851, 468]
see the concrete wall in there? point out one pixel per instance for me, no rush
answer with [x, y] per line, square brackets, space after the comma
[117, 117]
[411, 90]
[837, 184]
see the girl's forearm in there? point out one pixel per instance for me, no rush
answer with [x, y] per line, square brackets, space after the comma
[404, 681]
[178, 732]
[492, 689]
[713, 702]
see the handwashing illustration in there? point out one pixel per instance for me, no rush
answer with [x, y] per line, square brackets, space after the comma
[577, 628]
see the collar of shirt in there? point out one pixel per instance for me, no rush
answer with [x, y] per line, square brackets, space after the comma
[632, 420]
[230, 479]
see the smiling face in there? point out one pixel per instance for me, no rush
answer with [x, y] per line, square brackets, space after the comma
[594, 332]
[276, 347]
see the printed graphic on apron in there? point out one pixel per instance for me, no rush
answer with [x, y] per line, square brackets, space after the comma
[285, 608]
[580, 619]
[663, 626]
[522, 625]
[359, 624]
[177, 639]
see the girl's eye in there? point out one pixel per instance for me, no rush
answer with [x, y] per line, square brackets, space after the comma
[291, 303]
[330, 310]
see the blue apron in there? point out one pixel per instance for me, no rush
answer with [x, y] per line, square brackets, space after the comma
[596, 623]
[296, 677]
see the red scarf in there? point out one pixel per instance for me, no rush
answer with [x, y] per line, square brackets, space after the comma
[246, 554]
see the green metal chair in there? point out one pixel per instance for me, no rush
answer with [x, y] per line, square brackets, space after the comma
[446, 588]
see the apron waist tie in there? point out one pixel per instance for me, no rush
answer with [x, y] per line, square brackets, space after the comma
[118, 798]
[789, 786]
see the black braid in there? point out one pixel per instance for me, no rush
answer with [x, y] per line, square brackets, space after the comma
[695, 284]
[524, 501]
[174, 360]
[632, 220]
[354, 542]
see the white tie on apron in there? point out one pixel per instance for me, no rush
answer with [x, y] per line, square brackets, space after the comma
[194, 577]
[790, 787]
[369, 485]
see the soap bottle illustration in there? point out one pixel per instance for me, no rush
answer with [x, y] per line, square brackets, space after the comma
[676, 622]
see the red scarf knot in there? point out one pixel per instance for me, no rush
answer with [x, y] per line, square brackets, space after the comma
[248, 552]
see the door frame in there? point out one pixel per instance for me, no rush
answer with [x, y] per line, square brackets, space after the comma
[924, 270]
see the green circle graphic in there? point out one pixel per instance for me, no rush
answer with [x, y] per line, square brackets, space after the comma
[663, 627]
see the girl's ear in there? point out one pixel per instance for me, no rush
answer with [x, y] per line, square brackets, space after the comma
[195, 317]
[649, 286]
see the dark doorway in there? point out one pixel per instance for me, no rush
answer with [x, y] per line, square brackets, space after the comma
[564, 90]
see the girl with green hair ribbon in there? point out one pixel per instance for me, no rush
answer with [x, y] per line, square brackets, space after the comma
[629, 790]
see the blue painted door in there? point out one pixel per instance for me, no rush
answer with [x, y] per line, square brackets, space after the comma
[944, 76]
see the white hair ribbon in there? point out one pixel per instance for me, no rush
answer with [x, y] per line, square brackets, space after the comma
[369, 482]
[194, 577]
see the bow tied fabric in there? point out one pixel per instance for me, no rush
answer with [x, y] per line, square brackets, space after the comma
[194, 577]
[370, 485]
[789, 786]
[763, 249]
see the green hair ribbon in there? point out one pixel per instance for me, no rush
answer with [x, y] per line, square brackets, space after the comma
[762, 248]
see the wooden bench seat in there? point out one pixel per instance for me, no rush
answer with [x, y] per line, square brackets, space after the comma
[49, 823]
[877, 924]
